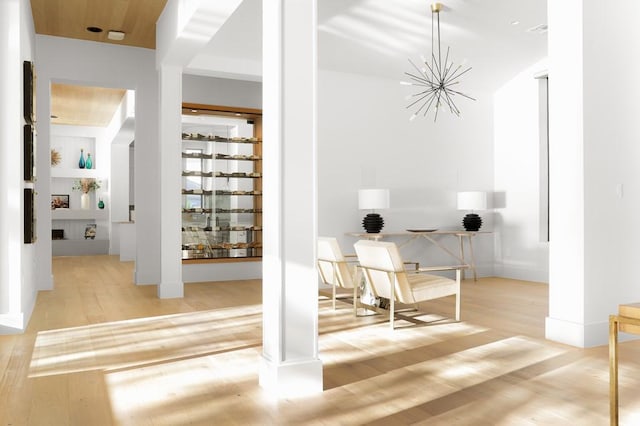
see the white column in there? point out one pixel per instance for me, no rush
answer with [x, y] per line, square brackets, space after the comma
[594, 196]
[290, 363]
[11, 197]
[565, 322]
[170, 90]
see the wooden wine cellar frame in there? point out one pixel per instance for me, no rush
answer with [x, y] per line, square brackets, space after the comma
[235, 112]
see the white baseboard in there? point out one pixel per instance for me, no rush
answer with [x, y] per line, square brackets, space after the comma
[12, 323]
[203, 272]
[521, 272]
[291, 379]
[578, 334]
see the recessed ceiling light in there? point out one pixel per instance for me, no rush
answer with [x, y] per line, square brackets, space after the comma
[94, 29]
[539, 29]
[115, 35]
[514, 23]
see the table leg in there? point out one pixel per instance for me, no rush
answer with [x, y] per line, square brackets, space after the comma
[473, 258]
[613, 370]
[461, 244]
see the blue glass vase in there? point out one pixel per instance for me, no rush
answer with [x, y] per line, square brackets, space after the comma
[89, 163]
[81, 163]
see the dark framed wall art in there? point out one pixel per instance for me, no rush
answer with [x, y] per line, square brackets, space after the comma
[29, 216]
[28, 98]
[28, 150]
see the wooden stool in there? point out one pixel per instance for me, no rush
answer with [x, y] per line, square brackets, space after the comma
[627, 321]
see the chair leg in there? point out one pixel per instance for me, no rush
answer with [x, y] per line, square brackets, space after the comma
[335, 277]
[458, 294]
[355, 300]
[392, 300]
[392, 313]
[333, 297]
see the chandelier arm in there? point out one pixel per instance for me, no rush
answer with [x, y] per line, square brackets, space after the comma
[415, 77]
[433, 96]
[446, 59]
[428, 101]
[445, 77]
[419, 77]
[459, 74]
[424, 94]
[419, 80]
[461, 94]
[421, 72]
[452, 105]
[432, 73]
[438, 69]
[450, 76]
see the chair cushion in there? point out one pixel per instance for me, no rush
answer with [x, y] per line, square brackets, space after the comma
[428, 286]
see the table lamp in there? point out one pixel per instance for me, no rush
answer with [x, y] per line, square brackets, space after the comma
[372, 199]
[472, 200]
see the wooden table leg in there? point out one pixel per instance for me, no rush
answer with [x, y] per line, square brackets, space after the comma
[613, 370]
[461, 243]
[473, 258]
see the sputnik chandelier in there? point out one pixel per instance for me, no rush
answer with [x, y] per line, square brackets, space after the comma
[436, 79]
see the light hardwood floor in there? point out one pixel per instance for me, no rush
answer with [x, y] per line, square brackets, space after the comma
[100, 351]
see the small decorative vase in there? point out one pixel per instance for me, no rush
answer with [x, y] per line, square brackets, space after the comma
[81, 163]
[89, 163]
[101, 204]
[85, 201]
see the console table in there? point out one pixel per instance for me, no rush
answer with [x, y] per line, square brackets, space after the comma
[628, 321]
[432, 237]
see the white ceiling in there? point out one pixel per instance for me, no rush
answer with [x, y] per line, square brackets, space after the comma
[376, 37]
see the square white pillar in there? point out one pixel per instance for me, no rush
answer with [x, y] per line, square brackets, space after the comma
[170, 90]
[290, 363]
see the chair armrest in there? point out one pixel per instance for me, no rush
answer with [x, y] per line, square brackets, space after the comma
[416, 265]
[350, 257]
[441, 268]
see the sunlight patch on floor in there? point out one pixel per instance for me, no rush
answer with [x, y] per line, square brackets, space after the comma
[142, 341]
[209, 388]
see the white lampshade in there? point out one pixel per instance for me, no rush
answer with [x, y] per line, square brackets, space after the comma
[472, 200]
[370, 199]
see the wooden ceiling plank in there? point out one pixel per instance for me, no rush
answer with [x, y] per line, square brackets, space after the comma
[70, 18]
[84, 105]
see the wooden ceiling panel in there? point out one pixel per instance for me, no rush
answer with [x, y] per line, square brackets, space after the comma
[70, 18]
[83, 105]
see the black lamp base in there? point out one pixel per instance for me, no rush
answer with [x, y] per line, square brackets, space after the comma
[472, 222]
[373, 223]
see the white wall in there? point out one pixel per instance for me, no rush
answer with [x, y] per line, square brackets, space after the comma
[365, 140]
[17, 260]
[519, 253]
[220, 91]
[104, 65]
[611, 161]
